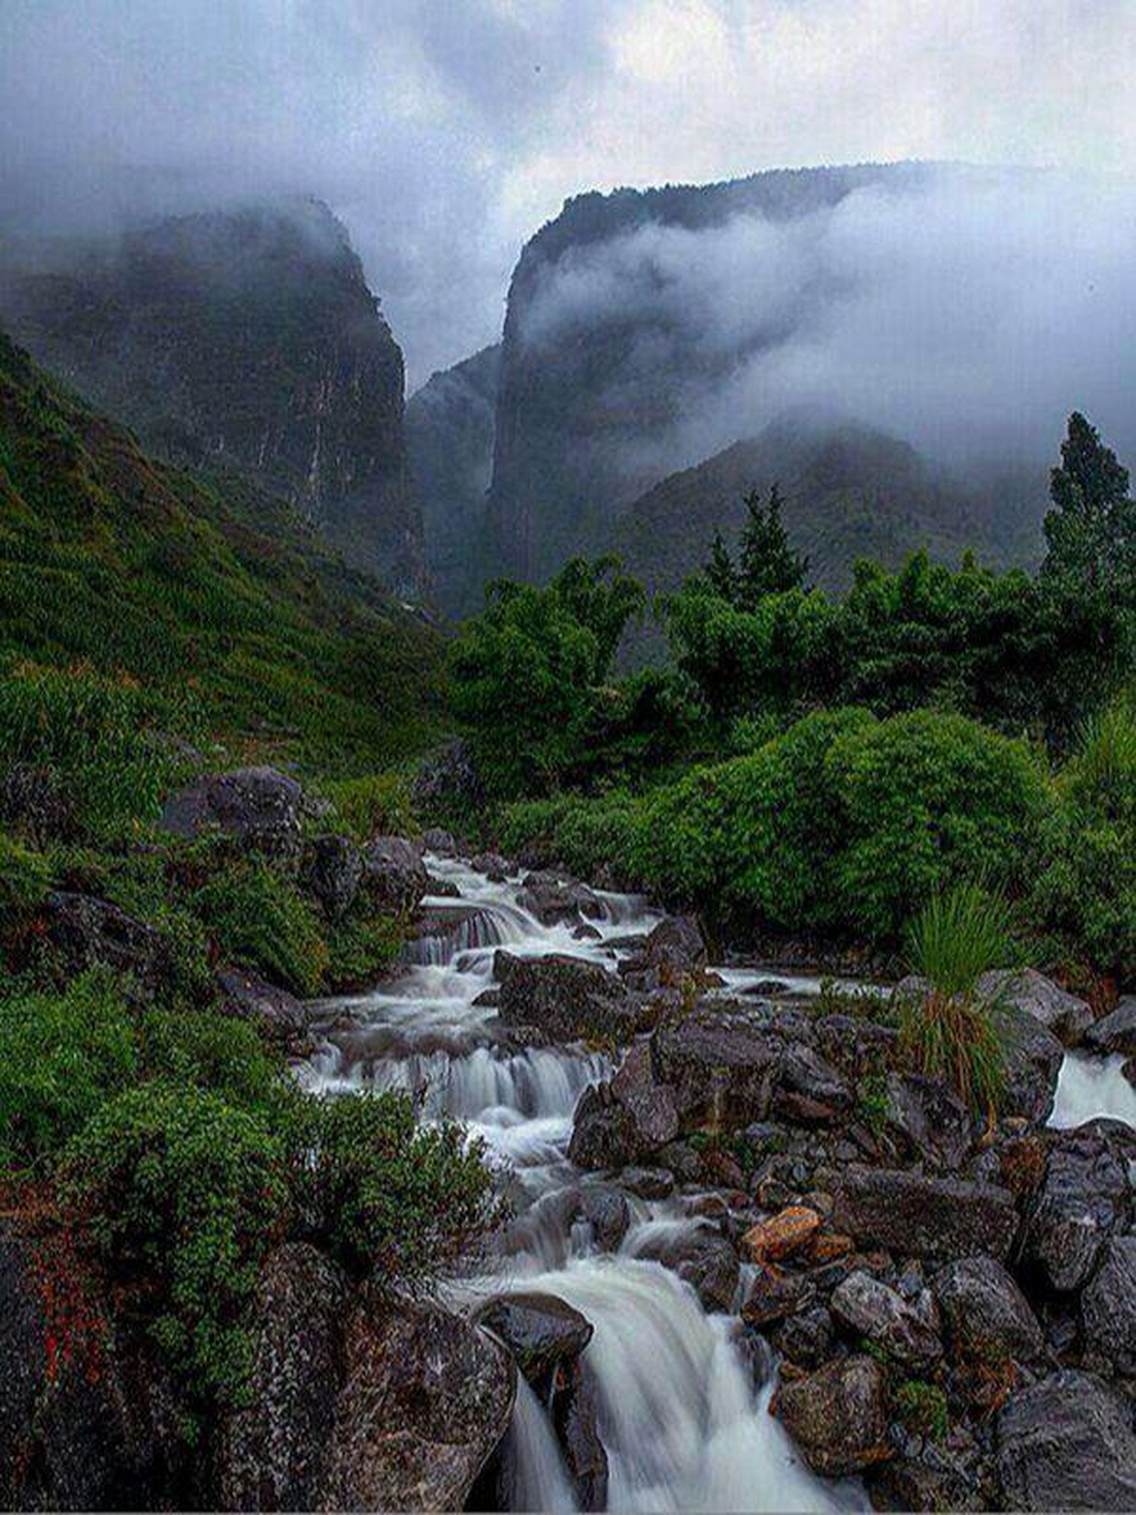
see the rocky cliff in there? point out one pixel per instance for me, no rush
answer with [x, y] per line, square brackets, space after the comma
[611, 346]
[241, 339]
[449, 433]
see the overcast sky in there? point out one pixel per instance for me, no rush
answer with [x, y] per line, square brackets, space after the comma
[445, 131]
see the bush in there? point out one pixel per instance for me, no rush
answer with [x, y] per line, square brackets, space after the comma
[61, 1057]
[927, 800]
[260, 919]
[25, 877]
[584, 835]
[184, 1195]
[375, 805]
[950, 1032]
[409, 1201]
[208, 1051]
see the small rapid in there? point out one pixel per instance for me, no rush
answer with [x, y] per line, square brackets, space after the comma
[1089, 1086]
[682, 1415]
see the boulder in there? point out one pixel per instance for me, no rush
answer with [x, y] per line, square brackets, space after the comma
[838, 1416]
[332, 870]
[701, 1257]
[809, 1090]
[648, 1183]
[394, 875]
[271, 1454]
[1115, 1032]
[673, 951]
[575, 1419]
[651, 1105]
[36, 803]
[773, 1295]
[1108, 1307]
[929, 1120]
[495, 867]
[438, 842]
[426, 1399]
[915, 1215]
[1083, 1199]
[542, 1332]
[607, 1212]
[936, 1480]
[907, 1332]
[565, 998]
[604, 1133]
[553, 898]
[805, 1339]
[1067, 1443]
[449, 779]
[261, 808]
[721, 1066]
[780, 1236]
[1066, 1016]
[86, 932]
[1032, 1059]
[987, 1318]
[275, 1012]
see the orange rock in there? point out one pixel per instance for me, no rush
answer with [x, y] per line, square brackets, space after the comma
[828, 1245]
[781, 1235]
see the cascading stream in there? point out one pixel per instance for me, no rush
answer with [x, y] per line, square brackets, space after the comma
[684, 1425]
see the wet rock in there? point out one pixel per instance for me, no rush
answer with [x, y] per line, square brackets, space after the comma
[261, 808]
[552, 899]
[394, 876]
[773, 1295]
[1115, 1032]
[438, 842]
[565, 997]
[852, 1044]
[986, 1316]
[869, 1308]
[805, 1339]
[275, 1012]
[929, 1119]
[682, 1160]
[1067, 1443]
[1066, 1016]
[837, 1416]
[425, 1401]
[673, 952]
[608, 1213]
[648, 1183]
[1083, 1199]
[651, 1105]
[495, 867]
[604, 1133]
[575, 1420]
[1108, 1306]
[782, 1235]
[936, 1481]
[1032, 1058]
[720, 1066]
[809, 1090]
[271, 1453]
[542, 1332]
[36, 803]
[86, 932]
[701, 1257]
[332, 870]
[449, 779]
[918, 1216]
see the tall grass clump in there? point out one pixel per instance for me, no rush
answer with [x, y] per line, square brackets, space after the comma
[950, 1030]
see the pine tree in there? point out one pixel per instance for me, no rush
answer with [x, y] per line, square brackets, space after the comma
[1091, 531]
[720, 570]
[767, 563]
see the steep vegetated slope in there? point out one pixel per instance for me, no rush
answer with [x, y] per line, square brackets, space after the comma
[136, 568]
[242, 339]
[604, 356]
[449, 433]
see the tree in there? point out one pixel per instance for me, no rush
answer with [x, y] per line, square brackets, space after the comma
[767, 563]
[720, 572]
[1091, 531]
[600, 597]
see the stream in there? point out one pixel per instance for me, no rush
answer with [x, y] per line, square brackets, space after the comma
[682, 1415]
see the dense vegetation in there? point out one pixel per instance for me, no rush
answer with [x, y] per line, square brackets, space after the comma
[819, 764]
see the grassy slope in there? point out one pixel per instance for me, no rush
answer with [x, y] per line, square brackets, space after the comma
[111, 559]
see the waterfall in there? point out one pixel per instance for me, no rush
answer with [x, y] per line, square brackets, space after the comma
[1090, 1086]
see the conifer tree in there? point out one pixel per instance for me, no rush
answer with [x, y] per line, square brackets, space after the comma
[720, 571]
[767, 563]
[1091, 531]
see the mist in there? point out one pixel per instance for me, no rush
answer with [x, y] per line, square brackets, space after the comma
[966, 311]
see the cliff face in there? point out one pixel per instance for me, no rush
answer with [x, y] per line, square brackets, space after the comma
[611, 347]
[242, 339]
[449, 432]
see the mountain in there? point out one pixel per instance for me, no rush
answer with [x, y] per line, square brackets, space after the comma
[113, 560]
[240, 340]
[622, 320]
[449, 433]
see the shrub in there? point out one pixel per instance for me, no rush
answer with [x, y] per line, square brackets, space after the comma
[183, 1196]
[409, 1201]
[376, 805]
[208, 1051]
[260, 919]
[951, 1032]
[929, 799]
[24, 878]
[585, 835]
[61, 1057]
[359, 948]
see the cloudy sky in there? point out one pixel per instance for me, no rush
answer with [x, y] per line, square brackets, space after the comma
[445, 131]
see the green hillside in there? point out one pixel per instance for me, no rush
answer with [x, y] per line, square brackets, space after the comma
[208, 594]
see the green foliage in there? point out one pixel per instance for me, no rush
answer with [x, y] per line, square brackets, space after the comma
[585, 836]
[922, 1407]
[259, 918]
[61, 1056]
[874, 1103]
[359, 949]
[1091, 531]
[375, 804]
[25, 877]
[405, 1199]
[211, 1052]
[767, 564]
[957, 937]
[185, 1195]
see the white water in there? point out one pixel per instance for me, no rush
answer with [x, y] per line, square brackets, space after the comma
[1088, 1087]
[681, 1421]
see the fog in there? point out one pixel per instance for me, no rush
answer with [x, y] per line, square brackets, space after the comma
[967, 312]
[443, 132]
